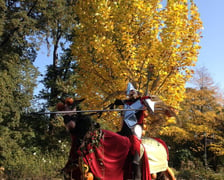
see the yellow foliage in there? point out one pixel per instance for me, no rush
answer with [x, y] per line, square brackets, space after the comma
[199, 118]
[171, 120]
[117, 41]
[178, 134]
[217, 149]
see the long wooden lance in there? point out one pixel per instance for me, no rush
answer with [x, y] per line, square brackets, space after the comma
[87, 111]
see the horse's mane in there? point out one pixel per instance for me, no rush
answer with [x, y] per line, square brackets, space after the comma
[84, 124]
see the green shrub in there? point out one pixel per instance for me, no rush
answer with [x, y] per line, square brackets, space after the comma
[199, 174]
[35, 165]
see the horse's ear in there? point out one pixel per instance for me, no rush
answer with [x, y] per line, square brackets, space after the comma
[77, 102]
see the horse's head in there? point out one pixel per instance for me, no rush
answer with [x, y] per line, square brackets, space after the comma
[76, 123]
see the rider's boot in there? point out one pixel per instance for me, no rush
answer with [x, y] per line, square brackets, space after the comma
[136, 167]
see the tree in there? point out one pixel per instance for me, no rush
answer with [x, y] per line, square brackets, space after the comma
[57, 21]
[56, 25]
[137, 41]
[24, 25]
[201, 118]
[17, 73]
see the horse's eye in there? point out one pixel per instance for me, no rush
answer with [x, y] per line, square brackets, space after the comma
[67, 119]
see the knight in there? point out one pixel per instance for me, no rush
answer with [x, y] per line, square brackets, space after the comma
[132, 124]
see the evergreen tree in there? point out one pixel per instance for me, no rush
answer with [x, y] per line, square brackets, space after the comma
[56, 24]
[17, 73]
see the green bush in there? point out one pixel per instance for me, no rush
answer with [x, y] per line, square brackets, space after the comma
[35, 165]
[200, 174]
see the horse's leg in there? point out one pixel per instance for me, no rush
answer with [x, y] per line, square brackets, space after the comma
[154, 176]
[164, 175]
[169, 173]
[160, 176]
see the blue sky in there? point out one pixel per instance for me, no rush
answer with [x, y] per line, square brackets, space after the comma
[212, 52]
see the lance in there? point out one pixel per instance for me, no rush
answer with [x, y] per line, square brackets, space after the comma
[87, 111]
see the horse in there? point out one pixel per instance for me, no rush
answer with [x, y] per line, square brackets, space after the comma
[106, 155]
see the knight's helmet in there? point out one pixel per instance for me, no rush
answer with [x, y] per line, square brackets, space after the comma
[129, 88]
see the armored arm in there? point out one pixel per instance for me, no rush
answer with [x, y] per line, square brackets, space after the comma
[116, 103]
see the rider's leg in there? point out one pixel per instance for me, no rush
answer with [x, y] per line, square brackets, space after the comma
[136, 167]
[138, 151]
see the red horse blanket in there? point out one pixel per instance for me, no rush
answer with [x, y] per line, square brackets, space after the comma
[109, 160]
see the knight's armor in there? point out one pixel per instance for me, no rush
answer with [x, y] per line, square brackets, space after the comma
[131, 119]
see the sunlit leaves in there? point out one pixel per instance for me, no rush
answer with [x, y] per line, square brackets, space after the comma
[201, 117]
[117, 41]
